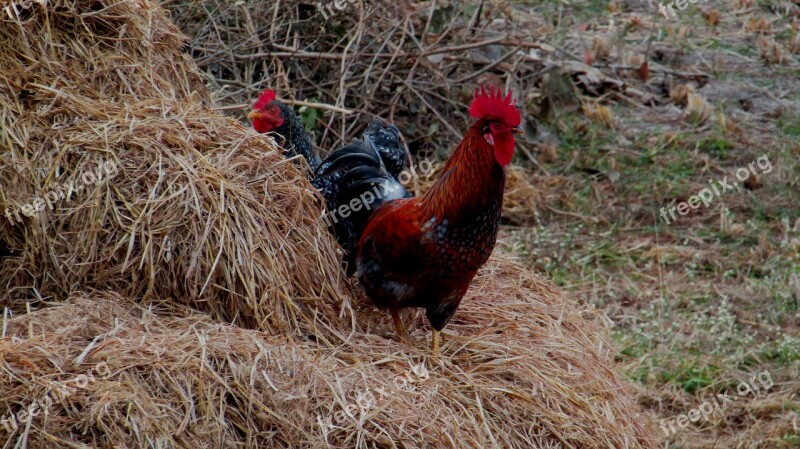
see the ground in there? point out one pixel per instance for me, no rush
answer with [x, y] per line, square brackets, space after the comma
[708, 299]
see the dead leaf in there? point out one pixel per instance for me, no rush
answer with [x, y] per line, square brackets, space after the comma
[588, 57]
[644, 71]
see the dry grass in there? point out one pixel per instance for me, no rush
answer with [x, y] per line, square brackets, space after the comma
[205, 213]
[201, 210]
[706, 301]
[537, 376]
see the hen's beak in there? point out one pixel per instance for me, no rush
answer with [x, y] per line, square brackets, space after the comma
[253, 115]
[517, 131]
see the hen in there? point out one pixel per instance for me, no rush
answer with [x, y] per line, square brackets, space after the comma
[354, 180]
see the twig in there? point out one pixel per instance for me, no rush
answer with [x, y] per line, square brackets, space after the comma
[457, 48]
[476, 18]
[654, 70]
[286, 51]
[485, 69]
[308, 104]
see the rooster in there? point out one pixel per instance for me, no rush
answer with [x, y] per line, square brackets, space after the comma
[423, 252]
[365, 170]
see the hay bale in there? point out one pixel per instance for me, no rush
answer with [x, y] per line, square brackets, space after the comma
[199, 208]
[522, 369]
[205, 213]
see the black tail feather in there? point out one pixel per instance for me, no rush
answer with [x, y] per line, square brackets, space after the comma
[355, 181]
[386, 139]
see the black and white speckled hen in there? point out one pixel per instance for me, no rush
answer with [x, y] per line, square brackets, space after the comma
[354, 180]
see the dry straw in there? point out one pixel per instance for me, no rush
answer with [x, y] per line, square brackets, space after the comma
[204, 213]
[201, 209]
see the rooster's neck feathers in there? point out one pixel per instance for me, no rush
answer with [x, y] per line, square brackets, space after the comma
[472, 180]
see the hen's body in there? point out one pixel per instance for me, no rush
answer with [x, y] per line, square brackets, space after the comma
[356, 178]
[378, 148]
[348, 174]
[424, 252]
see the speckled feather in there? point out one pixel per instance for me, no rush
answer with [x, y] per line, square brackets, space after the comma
[387, 141]
[296, 136]
[384, 138]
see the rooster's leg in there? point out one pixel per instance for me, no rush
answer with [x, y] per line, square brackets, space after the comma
[435, 343]
[398, 325]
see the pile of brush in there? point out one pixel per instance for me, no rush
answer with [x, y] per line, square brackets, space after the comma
[169, 282]
[394, 59]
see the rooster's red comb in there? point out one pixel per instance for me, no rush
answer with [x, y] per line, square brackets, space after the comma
[264, 99]
[493, 104]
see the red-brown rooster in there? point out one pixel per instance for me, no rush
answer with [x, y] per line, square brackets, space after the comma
[424, 251]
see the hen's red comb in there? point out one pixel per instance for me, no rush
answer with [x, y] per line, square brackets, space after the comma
[493, 104]
[264, 99]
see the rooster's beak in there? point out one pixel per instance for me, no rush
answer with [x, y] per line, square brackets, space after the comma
[253, 115]
[517, 131]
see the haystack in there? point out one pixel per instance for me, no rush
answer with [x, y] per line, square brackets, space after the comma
[522, 369]
[198, 208]
[213, 316]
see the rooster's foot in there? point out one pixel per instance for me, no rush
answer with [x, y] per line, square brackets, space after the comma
[398, 325]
